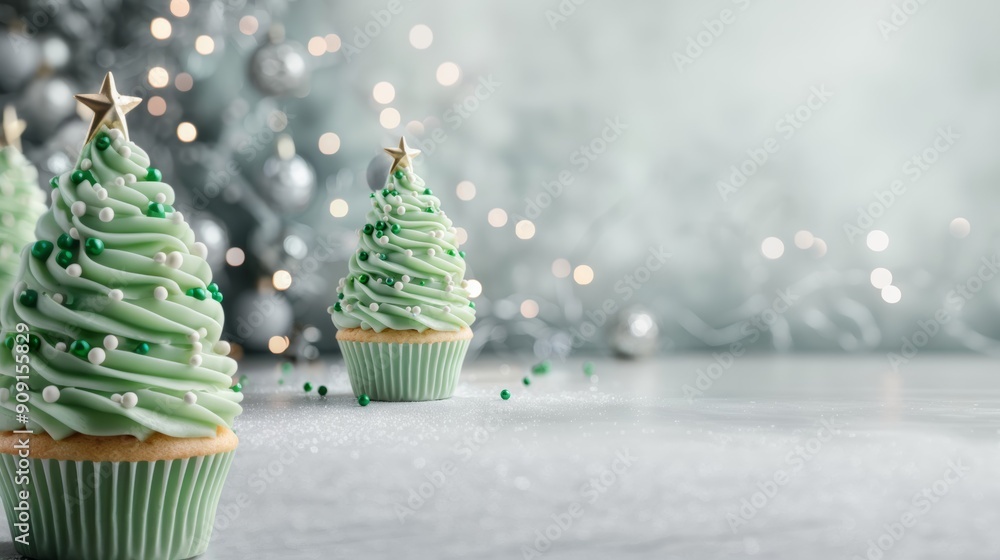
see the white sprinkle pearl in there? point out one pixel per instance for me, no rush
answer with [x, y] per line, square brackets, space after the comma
[129, 178]
[175, 259]
[408, 252]
[111, 342]
[160, 197]
[348, 308]
[190, 398]
[85, 164]
[194, 337]
[384, 240]
[405, 278]
[79, 208]
[431, 251]
[200, 250]
[74, 233]
[222, 348]
[74, 270]
[416, 310]
[195, 360]
[197, 348]
[60, 347]
[401, 210]
[449, 288]
[446, 309]
[116, 295]
[106, 215]
[96, 356]
[58, 298]
[160, 258]
[160, 293]
[114, 133]
[119, 181]
[125, 151]
[102, 193]
[373, 307]
[203, 332]
[177, 218]
[55, 195]
[398, 286]
[50, 394]
[129, 400]
[387, 208]
[116, 398]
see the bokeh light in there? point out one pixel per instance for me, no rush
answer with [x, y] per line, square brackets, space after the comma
[529, 308]
[235, 256]
[772, 248]
[421, 36]
[497, 217]
[583, 275]
[180, 8]
[338, 208]
[160, 28]
[881, 277]
[281, 280]
[158, 77]
[448, 74]
[186, 132]
[891, 294]
[475, 288]
[156, 106]
[389, 118]
[329, 143]
[878, 241]
[560, 268]
[384, 92]
[466, 190]
[204, 44]
[960, 228]
[524, 229]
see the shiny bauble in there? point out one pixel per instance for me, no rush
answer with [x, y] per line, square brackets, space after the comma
[46, 103]
[288, 183]
[278, 68]
[636, 333]
[20, 58]
[258, 316]
[212, 232]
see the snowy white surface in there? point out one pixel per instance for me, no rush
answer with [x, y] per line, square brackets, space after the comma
[324, 478]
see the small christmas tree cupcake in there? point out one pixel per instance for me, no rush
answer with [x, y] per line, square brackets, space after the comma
[403, 312]
[115, 399]
[21, 201]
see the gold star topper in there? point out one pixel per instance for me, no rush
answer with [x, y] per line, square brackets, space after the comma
[109, 107]
[402, 157]
[12, 128]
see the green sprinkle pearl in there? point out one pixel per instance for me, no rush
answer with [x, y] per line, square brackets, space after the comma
[142, 349]
[427, 191]
[54, 182]
[588, 368]
[9, 342]
[461, 254]
[383, 256]
[80, 349]
[337, 307]
[395, 228]
[505, 394]
[541, 367]
[340, 295]
[34, 343]
[94, 246]
[399, 174]
[42, 249]
[103, 142]
[362, 256]
[156, 210]
[363, 278]
[394, 192]
[28, 298]
[217, 296]
[153, 174]
[378, 233]
[77, 177]
[368, 229]
[307, 387]
[213, 287]
[64, 258]
[452, 252]
[385, 192]
[321, 390]
[198, 294]
[380, 225]
[526, 381]
[429, 210]
[363, 400]
[472, 304]
[237, 388]
[372, 195]
[389, 280]
[66, 242]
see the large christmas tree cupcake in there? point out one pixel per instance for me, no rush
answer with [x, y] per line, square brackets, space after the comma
[114, 365]
[20, 198]
[403, 312]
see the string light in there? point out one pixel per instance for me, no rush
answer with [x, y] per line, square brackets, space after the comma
[891, 294]
[249, 25]
[235, 256]
[160, 28]
[421, 36]
[497, 217]
[329, 143]
[204, 45]
[384, 93]
[180, 8]
[560, 268]
[389, 118]
[881, 277]
[186, 132]
[529, 308]
[878, 241]
[524, 229]
[338, 208]
[316, 46]
[158, 77]
[281, 280]
[772, 248]
[448, 74]
[466, 190]
[583, 275]
[156, 106]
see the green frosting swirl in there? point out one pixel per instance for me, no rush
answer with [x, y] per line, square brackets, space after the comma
[124, 322]
[21, 203]
[407, 273]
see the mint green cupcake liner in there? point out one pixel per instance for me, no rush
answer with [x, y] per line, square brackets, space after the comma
[404, 372]
[84, 510]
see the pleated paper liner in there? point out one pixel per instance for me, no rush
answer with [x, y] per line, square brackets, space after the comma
[388, 371]
[148, 510]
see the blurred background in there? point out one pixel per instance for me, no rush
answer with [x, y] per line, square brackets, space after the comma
[632, 178]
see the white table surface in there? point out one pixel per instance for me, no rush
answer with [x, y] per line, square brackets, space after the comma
[340, 473]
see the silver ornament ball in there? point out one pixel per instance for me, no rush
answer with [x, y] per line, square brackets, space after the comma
[636, 334]
[289, 183]
[20, 58]
[210, 231]
[45, 104]
[278, 68]
[256, 317]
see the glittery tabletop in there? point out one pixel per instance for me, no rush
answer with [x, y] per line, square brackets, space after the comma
[808, 457]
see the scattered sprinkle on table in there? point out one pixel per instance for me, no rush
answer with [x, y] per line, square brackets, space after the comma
[505, 394]
[363, 400]
[307, 387]
[588, 368]
[541, 368]
[526, 381]
[321, 390]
